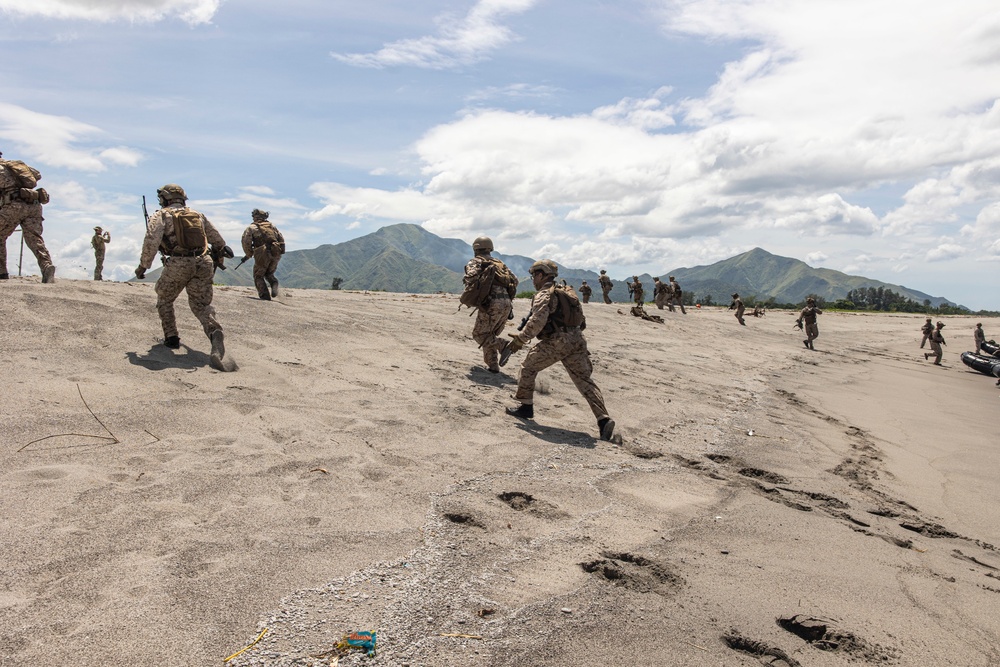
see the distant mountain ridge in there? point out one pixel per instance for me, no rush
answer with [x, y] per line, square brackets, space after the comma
[408, 258]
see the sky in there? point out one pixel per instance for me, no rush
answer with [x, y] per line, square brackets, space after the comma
[635, 136]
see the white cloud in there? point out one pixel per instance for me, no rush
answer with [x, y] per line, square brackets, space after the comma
[55, 140]
[460, 41]
[191, 11]
[816, 258]
[262, 190]
[945, 251]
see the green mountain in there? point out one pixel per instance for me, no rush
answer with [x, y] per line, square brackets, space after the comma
[408, 258]
[760, 274]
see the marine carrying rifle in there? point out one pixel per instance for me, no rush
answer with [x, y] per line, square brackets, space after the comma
[242, 261]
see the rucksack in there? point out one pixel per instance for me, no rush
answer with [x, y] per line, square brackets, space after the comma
[26, 177]
[188, 229]
[569, 310]
[270, 236]
[479, 285]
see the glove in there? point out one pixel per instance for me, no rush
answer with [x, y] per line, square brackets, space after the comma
[515, 343]
[140, 272]
[227, 252]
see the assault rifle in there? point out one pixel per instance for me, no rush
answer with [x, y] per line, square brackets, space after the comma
[145, 214]
[243, 261]
[219, 256]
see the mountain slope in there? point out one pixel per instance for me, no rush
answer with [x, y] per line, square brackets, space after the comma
[408, 258]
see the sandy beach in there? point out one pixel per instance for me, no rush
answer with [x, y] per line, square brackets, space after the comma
[358, 473]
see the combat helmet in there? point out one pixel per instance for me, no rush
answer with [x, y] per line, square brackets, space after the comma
[171, 192]
[258, 214]
[546, 266]
[98, 229]
[483, 243]
[735, 295]
[603, 272]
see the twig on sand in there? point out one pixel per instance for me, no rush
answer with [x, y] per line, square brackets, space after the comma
[248, 646]
[695, 645]
[113, 438]
[459, 635]
[95, 416]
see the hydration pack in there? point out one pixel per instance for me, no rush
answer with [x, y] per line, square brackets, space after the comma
[188, 229]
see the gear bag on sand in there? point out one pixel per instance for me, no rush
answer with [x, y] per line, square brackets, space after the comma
[26, 177]
[188, 229]
[479, 285]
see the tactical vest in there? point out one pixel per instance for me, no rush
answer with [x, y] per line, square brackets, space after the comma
[268, 235]
[568, 312]
[479, 286]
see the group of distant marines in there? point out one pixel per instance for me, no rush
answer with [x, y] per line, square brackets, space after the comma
[191, 248]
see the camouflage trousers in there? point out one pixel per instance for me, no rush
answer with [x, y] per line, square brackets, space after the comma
[676, 301]
[29, 216]
[606, 291]
[265, 263]
[739, 314]
[489, 325]
[936, 351]
[639, 297]
[570, 348]
[661, 301]
[812, 331]
[99, 266]
[195, 275]
[927, 337]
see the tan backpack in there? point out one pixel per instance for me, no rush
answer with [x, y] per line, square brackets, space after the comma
[270, 236]
[479, 285]
[188, 229]
[569, 311]
[26, 177]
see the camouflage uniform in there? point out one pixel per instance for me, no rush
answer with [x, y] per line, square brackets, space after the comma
[190, 270]
[14, 211]
[568, 346]
[675, 296]
[980, 337]
[265, 256]
[606, 286]
[637, 293]
[491, 317]
[927, 330]
[738, 305]
[661, 293]
[808, 318]
[585, 292]
[101, 238]
[937, 340]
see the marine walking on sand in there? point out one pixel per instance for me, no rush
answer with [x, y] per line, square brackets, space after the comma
[100, 239]
[926, 330]
[21, 204]
[262, 240]
[606, 286]
[184, 235]
[676, 295]
[557, 319]
[937, 340]
[738, 306]
[635, 290]
[585, 292]
[808, 318]
[661, 294]
[489, 287]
